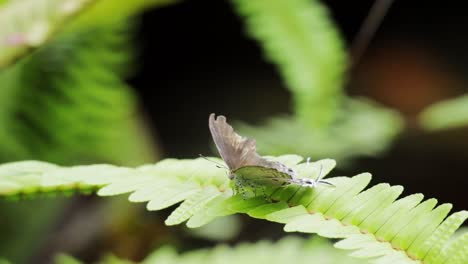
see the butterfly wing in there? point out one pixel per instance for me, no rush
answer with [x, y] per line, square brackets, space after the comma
[235, 150]
[263, 176]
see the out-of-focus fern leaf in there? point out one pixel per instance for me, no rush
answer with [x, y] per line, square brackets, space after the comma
[28, 24]
[50, 100]
[373, 128]
[373, 223]
[301, 40]
[446, 114]
[300, 250]
[111, 11]
[64, 259]
[67, 102]
[216, 230]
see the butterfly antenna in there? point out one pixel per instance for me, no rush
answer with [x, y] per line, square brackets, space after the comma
[319, 178]
[218, 165]
[327, 183]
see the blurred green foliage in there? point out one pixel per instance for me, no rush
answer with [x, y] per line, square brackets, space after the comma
[362, 128]
[29, 24]
[290, 248]
[299, 37]
[447, 114]
[220, 229]
[66, 100]
[98, 13]
[301, 40]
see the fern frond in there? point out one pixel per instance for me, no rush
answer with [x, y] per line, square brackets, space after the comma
[69, 97]
[104, 12]
[299, 37]
[28, 24]
[373, 223]
[300, 250]
[446, 114]
[457, 251]
[434, 247]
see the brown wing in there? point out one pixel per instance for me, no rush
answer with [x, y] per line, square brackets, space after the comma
[235, 150]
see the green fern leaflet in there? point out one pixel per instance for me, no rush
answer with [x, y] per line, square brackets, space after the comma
[373, 223]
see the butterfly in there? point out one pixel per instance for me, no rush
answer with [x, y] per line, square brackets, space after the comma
[246, 166]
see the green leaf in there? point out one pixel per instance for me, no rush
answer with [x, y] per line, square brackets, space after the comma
[456, 252]
[213, 209]
[434, 245]
[71, 85]
[299, 37]
[350, 136]
[163, 197]
[163, 255]
[287, 215]
[419, 234]
[111, 11]
[192, 205]
[32, 23]
[372, 223]
[446, 114]
[290, 248]
[64, 259]
[266, 209]
[29, 24]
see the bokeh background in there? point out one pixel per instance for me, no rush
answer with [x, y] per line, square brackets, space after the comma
[416, 58]
[182, 61]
